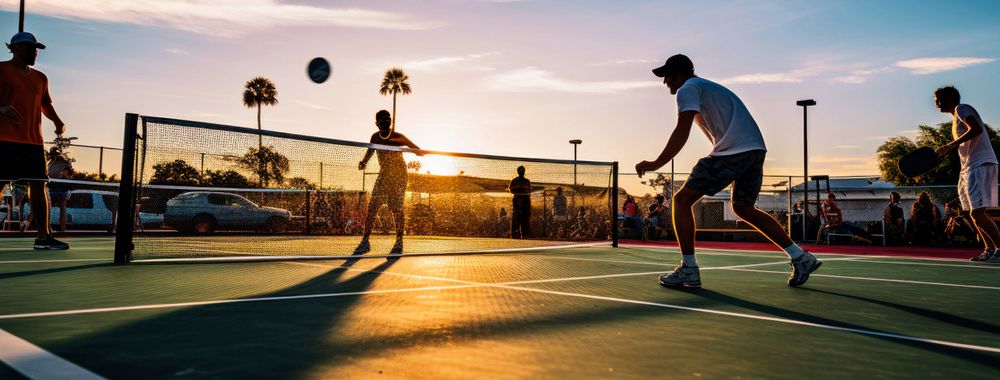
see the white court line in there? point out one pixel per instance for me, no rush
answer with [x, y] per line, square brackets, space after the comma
[875, 279]
[35, 363]
[49, 261]
[859, 258]
[711, 311]
[221, 302]
[363, 257]
[675, 263]
[322, 295]
[970, 265]
[509, 286]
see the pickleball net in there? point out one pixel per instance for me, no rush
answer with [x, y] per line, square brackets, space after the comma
[203, 190]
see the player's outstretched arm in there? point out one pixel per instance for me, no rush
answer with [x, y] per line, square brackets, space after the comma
[973, 129]
[50, 112]
[677, 140]
[364, 161]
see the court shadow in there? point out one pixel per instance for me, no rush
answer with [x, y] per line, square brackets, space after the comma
[958, 353]
[263, 339]
[927, 313]
[55, 270]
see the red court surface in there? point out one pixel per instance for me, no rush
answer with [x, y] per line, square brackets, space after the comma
[901, 251]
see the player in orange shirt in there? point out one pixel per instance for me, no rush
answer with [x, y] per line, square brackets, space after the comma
[24, 98]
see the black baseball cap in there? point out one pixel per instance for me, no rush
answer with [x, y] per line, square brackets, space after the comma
[678, 62]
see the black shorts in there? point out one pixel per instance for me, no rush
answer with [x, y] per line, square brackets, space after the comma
[744, 170]
[21, 162]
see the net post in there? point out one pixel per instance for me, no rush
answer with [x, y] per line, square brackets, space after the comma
[614, 204]
[126, 193]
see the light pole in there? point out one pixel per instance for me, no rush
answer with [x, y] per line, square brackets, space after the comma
[805, 161]
[20, 19]
[575, 142]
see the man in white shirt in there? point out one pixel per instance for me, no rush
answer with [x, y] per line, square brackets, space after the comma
[737, 158]
[977, 183]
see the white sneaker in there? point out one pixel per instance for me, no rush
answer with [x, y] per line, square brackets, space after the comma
[682, 277]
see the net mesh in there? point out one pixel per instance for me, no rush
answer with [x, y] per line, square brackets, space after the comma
[206, 190]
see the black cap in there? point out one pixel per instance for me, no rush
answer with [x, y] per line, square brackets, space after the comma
[679, 62]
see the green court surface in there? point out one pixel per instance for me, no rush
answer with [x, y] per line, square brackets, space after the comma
[594, 312]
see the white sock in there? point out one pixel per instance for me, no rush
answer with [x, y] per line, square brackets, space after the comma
[794, 251]
[689, 261]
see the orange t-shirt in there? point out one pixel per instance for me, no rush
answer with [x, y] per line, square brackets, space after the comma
[27, 92]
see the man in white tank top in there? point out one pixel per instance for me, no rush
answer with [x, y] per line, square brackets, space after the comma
[737, 158]
[977, 183]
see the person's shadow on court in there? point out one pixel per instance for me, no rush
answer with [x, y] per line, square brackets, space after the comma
[958, 353]
[264, 339]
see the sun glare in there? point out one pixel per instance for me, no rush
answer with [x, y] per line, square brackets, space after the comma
[437, 165]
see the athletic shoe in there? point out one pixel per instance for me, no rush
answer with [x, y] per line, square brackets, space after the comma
[50, 243]
[995, 258]
[801, 268]
[983, 256]
[682, 277]
[363, 248]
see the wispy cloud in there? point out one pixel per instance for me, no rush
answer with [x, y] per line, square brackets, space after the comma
[224, 18]
[311, 105]
[933, 65]
[862, 75]
[177, 51]
[530, 79]
[846, 146]
[794, 76]
[624, 62]
[450, 62]
[859, 73]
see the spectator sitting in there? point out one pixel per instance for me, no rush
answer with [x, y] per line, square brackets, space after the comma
[654, 219]
[834, 220]
[957, 228]
[892, 218]
[631, 212]
[924, 219]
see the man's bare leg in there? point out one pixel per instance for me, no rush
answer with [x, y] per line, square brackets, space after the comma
[988, 230]
[764, 223]
[40, 209]
[683, 217]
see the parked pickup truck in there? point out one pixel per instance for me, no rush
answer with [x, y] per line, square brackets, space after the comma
[205, 212]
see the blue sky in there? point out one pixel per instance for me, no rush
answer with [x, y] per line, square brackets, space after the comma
[523, 77]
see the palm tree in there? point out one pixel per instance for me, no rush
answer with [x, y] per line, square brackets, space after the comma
[258, 92]
[395, 82]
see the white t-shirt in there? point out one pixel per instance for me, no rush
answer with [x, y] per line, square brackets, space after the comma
[721, 115]
[976, 151]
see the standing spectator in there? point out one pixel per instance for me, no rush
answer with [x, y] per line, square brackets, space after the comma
[59, 168]
[21, 147]
[892, 218]
[924, 219]
[559, 209]
[502, 224]
[520, 221]
[631, 212]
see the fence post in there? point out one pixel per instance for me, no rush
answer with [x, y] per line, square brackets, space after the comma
[100, 162]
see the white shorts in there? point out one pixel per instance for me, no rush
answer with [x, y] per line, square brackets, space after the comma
[977, 187]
